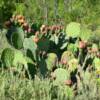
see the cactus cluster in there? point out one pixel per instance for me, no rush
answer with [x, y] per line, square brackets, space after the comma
[53, 54]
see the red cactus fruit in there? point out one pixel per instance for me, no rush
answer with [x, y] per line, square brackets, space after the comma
[94, 50]
[68, 82]
[89, 50]
[35, 39]
[64, 61]
[37, 33]
[21, 21]
[29, 30]
[7, 24]
[98, 54]
[20, 17]
[25, 26]
[42, 27]
[82, 44]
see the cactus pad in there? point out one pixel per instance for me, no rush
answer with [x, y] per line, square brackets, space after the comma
[43, 44]
[66, 56]
[51, 60]
[7, 57]
[61, 76]
[73, 29]
[17, 38]
[96, 63]
[73, 64]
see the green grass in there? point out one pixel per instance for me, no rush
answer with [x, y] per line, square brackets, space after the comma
[13, 87]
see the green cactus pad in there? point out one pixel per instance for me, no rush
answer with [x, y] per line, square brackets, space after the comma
[29, 60]
[61, 76]
[51, 61]
[73, 29]
[67, 55]
[19, 58]
[95, 38]
[85, 34]
[7, 57]
[96, 63]
[73, 64]
[95, 46]
[72, 47]
[29, 44]
[17, 38]
[43, 44]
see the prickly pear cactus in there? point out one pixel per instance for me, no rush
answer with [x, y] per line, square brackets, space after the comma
[12, 58]
[29, 60]
[29, 44]
[96, 63]
[73, 29]
[95, 38]
[42, 67]
[55, 39]
[51, 61]
[9, 33]
[43, 44]
[97, 74]
[61, 76]
[72, 47]
[17, 38]
[7, 57]
[19, 58]
[73, 64]
[95, 47]
[85, 34]
[66, 56]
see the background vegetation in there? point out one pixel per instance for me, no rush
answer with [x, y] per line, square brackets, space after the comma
[87, 11]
